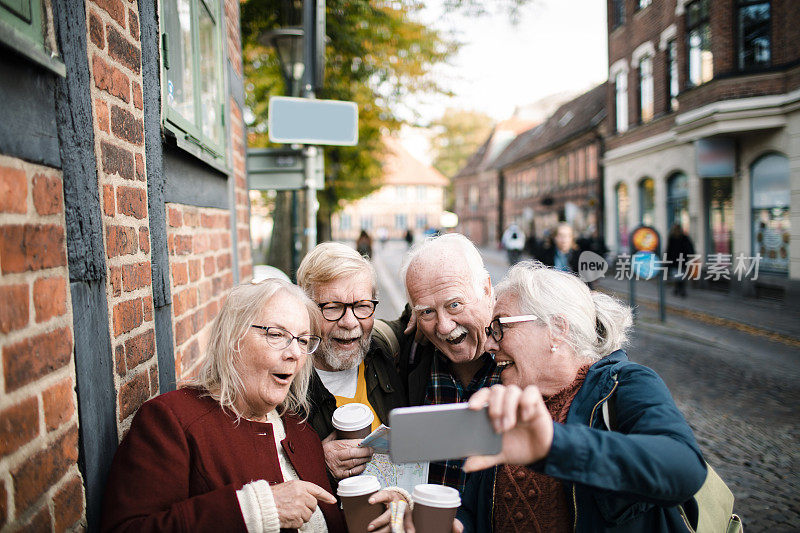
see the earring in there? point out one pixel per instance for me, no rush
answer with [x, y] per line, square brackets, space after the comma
[553, 348]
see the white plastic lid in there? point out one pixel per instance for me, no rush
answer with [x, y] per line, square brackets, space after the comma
[358, 486]
[352, 417]
[436, 496]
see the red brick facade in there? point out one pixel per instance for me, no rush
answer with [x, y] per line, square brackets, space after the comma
[115, 65]
[199, 242]
[40, 485]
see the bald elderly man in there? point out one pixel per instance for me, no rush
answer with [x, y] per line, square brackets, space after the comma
[450, 293]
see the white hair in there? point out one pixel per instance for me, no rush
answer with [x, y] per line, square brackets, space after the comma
[331, 261]
[448, 244]
[219, 373]
[596, 324]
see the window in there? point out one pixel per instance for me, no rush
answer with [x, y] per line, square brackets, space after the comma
[473, 198]
[622, 204]
[401, 191]
[698, 38]
[621, 88]
[617, 13]
[647, 202]
[366, 222]
[344, 222]
[771, 221]
[422, 222]
[28, 29]
[400, 221]
[192, 75]
[422, 192]
[678, 201]
[646, 89]
[672, 75]
[753, 27]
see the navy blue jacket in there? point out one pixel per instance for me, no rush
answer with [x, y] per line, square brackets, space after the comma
[629, 479]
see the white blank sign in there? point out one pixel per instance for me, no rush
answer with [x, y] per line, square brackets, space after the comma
[307, 121]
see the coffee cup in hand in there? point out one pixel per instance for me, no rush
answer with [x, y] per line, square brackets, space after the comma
[354, 493]
[435, 508]
[353, 421]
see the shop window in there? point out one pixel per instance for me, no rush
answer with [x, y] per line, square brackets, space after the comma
[647, 202]
[753, 34]
[771, 220]
[672, 75]
[698, 39]
[719, 221]
[27, 27]
[400, 221]
[646, 89]
[345, 222]
[621, 90]
[422, 222]
[678, 201]
[622, 202]
[192, 75]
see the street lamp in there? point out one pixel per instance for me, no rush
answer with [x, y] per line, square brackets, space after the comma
[288, 43]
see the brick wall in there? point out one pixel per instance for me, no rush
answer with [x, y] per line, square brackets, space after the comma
[40, 485]
[199, 242]
[114, 55]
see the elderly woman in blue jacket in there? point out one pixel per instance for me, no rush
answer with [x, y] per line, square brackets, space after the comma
[560, 468]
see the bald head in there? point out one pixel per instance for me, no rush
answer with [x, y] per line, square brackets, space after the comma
[451, 294]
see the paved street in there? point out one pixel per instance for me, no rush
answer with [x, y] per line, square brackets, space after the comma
[740, 393]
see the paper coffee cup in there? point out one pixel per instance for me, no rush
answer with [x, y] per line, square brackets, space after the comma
[435, 508]
[353, 421]
[354, 492]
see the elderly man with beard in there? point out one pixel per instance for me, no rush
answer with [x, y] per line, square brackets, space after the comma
[451, 295]
[350, 364]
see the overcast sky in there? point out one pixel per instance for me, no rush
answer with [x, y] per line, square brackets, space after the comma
[557, 45]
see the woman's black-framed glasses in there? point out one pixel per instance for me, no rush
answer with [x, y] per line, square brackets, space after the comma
[495, 327]
[333, 311]
[279, 339]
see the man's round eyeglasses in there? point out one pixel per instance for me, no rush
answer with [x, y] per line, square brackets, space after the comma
[279, 339]
[495, 327]
[333, 311]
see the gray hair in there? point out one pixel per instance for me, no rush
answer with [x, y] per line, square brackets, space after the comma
[449, 243]
[219, 374]
[330, 261]
[597, 324]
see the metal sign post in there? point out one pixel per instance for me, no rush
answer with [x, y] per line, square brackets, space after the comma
[645, 252]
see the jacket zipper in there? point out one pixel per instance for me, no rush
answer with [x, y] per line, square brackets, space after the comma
[494, 487]
[591, 419]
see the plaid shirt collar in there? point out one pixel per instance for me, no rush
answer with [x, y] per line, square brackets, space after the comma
[444, 387]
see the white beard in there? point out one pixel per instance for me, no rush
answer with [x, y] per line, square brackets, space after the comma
[337, 358]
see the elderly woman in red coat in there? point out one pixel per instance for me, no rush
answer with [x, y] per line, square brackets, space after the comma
[229, 452]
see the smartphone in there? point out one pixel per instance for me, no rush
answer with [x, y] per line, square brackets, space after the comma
[440, 432]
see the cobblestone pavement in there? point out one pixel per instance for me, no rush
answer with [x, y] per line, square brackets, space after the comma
[745, 420]
[740, 393]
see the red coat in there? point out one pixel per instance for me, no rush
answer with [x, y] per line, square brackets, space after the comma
[184, 458]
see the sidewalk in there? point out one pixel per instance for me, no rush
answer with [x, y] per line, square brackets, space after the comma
[765, 318]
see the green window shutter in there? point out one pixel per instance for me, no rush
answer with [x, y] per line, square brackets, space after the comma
[20, 8]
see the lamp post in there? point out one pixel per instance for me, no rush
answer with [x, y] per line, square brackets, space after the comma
[288, 44]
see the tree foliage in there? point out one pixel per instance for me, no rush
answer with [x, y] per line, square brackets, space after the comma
[456, 136]
[376, 55]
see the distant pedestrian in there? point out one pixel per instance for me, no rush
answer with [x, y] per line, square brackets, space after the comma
[513, 241]
[592, 241]
[563, 255]
[383, 235]
[679, 250]
[409, 237]
[364, 244]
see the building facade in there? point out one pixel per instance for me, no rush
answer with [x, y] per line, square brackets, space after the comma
[476, 187]
[552, 172]
[411, 197]
[124, 220]
[704, 116]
